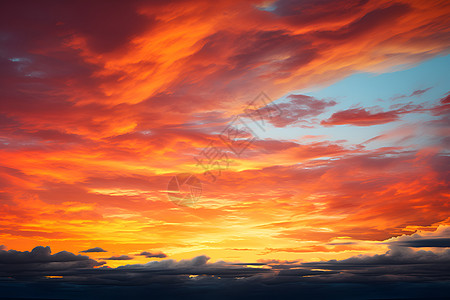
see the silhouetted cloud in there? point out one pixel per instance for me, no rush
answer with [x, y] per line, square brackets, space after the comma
[399, 262]
[40, 262]
[399, 265]
[437, 239]
[95, 249]
[153, 254]
[120, 257]
[437, 242]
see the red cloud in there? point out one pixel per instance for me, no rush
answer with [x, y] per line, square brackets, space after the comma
[443, 109]
[360, 117]
[365, 117]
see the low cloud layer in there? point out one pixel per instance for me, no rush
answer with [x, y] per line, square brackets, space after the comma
[400, 263]
[396, 271]
[39, 263]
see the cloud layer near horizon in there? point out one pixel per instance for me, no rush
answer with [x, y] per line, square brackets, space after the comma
[401, 263]
[396, 271]
[100, 107]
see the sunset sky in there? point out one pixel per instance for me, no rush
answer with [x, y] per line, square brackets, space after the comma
[345, 106]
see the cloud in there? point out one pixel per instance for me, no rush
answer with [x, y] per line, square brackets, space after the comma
[329, 279]
[446, 100]
[39, 254]
[368, 23]
[440, 238]
[414, 93]
[399, 263]
[39, 262]
[368, 117]
[443, 108]
[106, 28]
[419, 92]
[95, 249]
[297, 110]
[342, 243]
[153, 254]
[436, 242]
[120, 257]
[314, 13]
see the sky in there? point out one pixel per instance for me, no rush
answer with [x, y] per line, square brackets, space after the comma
[279, 146]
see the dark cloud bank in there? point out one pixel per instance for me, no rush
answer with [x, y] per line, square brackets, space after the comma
[400, 273]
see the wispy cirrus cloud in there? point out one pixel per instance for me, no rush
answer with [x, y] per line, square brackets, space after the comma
[414, 93]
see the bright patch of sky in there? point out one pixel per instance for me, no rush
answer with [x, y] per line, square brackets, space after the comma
[367, 90]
